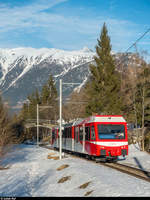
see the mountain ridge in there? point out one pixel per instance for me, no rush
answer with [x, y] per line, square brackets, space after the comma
[22, 68]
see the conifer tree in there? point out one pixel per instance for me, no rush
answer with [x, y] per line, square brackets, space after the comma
[49, 92]
[25, 111]
[7, 134]
[49, 98]
[34, 99]
[29, 109]
[143, 95]
[4, 121]
[143, 99]
[103, 89]
[45, 94]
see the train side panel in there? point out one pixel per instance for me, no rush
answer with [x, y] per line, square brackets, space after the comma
[98, 136]
[78, 147]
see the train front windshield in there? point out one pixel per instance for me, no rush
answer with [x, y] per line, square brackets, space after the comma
[111, 131]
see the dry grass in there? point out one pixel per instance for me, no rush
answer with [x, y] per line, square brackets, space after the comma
[89, 192]
[63, 179]
[49, 157]
[4, 168]
[62, 167]
[53, 157]
[83, 186]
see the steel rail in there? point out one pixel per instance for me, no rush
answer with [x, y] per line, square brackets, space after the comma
[138, 173]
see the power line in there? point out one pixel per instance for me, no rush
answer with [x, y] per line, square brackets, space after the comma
[134, 44]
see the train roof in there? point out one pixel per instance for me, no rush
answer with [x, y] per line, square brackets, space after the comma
[103, 118]
[97, 118]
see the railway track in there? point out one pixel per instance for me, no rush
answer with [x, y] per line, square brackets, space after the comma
[138, 173]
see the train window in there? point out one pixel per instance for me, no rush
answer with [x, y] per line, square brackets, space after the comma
[92, 133]
[69, 132]
[76, 134]
[81, 133]
[53, 134]
[87, 133]
[111, 131]
[64, 133]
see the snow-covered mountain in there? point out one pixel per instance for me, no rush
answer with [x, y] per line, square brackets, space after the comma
[24, 69]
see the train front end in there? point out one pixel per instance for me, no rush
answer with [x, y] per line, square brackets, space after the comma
[112, 138]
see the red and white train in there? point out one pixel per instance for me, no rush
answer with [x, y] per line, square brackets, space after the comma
[102, 137]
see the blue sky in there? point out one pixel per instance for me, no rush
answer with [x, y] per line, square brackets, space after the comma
[73, 24]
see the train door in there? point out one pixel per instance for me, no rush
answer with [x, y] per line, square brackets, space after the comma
[53, 136]
[76, 139]
[92, 141]
[82, 138]
[72, 138]
[57, 135]
[64, 138]
[87, 139]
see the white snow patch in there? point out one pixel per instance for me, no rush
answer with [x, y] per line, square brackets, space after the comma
[31, 174]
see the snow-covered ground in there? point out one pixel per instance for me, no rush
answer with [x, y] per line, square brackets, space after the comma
[32, 174]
